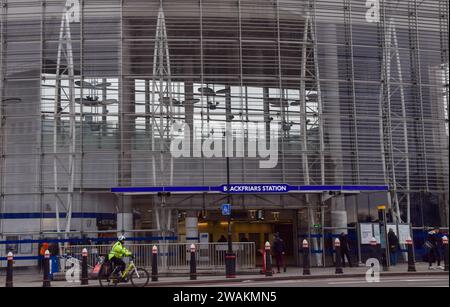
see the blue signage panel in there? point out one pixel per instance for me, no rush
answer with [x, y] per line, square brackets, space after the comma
[275, 188]
[255, 188]
[226, 209]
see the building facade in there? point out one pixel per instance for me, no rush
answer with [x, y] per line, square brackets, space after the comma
[100, 94]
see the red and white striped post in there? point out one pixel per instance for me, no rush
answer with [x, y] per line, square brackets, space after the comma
[306, 261]
[46, 277]
[374, 249]
[268, 260]
[445, 247]
[155, 263]
[84, 267]
[9, 270]
[193, 263]
[337, 248]
[411, 260]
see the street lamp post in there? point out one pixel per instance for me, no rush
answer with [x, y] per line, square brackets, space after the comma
[230, 257]
[230, 237]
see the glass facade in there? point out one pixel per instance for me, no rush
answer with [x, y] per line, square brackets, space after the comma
[351, 92]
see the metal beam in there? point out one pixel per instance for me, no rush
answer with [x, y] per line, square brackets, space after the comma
[65, 53]
[162, 102]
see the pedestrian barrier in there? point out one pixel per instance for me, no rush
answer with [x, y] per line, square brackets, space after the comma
[172, 257]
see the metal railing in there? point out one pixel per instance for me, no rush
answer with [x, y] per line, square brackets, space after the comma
[172, 257]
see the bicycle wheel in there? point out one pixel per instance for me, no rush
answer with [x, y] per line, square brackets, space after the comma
[139, 277]
[104, 277]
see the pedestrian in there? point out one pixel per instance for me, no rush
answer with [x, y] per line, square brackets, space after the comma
[432, 246]
[85, 240]
[345, 249]
[44, 247]
[54, 248]
[222, 239]
[279, 251]
[244, 239]
[394, 246]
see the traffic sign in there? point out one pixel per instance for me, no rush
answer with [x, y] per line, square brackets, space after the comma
[226, 209]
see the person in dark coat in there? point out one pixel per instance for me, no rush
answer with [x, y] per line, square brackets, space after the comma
[279, 251]
[394, 246]
[244, 239]
[345, 249]
[222, 239]
[43, 247]
[432, 244]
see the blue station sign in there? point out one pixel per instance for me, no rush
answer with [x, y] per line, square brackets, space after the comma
[255, 188]
[268, 188]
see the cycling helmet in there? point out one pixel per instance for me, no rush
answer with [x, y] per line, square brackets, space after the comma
[121, 238]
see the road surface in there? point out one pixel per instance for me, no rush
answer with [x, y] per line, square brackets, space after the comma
[398, 281]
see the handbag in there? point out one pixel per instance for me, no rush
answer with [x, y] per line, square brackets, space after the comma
[427, 245]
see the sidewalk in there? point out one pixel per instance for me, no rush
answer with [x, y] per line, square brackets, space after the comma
[295, 273]
[34, 279]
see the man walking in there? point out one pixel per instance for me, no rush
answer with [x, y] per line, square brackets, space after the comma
[345, 249]
[432, 244]
[279, 250]
[394, 246]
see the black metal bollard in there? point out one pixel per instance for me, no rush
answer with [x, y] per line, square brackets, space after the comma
[306, 259]
[374, 249]
[155, 263]
[445, 247]
[193, 263]
[9, 270]
[230, 265]
[46, 277]
[411, 260]
[84, 267]
[268, 260]
[337, 247]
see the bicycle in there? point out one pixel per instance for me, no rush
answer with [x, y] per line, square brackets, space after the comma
[138, 277]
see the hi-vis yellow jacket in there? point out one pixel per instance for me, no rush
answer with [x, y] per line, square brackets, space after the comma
[118, 251]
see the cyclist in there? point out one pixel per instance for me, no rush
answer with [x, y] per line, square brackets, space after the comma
[118, 251]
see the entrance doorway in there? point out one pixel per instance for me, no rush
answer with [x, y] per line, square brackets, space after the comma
[250, 226]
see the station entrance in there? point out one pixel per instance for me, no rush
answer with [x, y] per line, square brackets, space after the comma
[193, 215]
[257, 226]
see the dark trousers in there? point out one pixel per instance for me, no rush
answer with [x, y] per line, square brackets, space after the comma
[434, 255]
[346, 252]
[117, 262]
[279, 258]
[393, 253]
[41, 263]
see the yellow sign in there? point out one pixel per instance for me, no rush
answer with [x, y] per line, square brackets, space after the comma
[381, 207]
